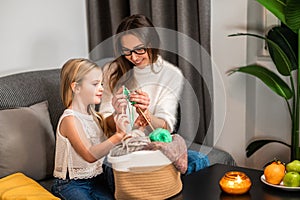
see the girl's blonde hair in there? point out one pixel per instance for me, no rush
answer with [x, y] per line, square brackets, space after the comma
[72, 71]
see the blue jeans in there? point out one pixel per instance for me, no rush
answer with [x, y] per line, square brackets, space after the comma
[196, 161]
[93, 188]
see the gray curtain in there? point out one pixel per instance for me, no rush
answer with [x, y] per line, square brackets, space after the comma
[189, 18]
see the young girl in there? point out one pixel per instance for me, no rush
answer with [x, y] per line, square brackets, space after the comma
[83, 138]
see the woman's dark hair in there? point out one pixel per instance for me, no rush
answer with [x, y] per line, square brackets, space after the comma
[141, 27]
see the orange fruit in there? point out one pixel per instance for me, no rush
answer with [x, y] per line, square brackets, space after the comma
[274, 172]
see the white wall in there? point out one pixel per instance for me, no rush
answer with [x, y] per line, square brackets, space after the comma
[230, 17]
[41, 34]
[272, 121]
[253, 111]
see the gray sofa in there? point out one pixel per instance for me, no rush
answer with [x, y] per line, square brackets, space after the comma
[27, 126]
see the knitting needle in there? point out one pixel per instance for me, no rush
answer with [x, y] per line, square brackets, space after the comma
[146, 118]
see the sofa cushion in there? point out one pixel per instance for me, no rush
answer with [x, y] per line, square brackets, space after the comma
[19, 186]
[27, 88]
[27, 141]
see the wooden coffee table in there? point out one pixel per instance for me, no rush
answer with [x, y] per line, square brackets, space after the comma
[204, 184]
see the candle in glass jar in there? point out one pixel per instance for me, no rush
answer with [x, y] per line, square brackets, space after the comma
[235, 182]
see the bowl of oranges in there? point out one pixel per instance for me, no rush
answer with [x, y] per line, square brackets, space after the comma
[284, 176]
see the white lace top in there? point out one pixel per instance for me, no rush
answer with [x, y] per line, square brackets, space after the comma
[66, 158]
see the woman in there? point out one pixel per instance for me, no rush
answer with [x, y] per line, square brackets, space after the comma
[155, 84]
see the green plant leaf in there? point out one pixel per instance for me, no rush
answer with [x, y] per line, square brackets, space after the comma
[287, 41]
[272, 80]
[276, 7]
[257, 144]
[292, 15]
[287, 11]
[280, 59]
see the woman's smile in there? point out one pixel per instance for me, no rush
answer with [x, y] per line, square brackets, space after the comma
[131, 42]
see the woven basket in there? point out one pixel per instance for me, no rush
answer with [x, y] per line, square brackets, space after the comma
[157, 184]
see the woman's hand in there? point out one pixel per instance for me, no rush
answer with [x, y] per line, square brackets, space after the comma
[141, 99]
[141, 121]
[119, 101]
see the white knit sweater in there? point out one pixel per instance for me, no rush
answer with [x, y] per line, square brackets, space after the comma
[163, 84]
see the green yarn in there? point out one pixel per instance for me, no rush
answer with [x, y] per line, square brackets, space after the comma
[160, 135]
[126, 92]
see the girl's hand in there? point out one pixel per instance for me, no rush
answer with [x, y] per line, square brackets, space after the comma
[122, 122]
[119, 101]
[142, 100]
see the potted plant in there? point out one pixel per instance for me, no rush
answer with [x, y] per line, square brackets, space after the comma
[284, 49]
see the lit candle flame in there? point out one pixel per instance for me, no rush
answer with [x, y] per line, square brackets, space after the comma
[238, 179]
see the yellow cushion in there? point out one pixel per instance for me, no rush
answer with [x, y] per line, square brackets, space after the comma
[18, 186]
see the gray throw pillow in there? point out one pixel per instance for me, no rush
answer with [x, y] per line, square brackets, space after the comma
[27, 141]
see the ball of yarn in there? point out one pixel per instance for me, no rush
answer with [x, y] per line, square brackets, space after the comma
[160, 135]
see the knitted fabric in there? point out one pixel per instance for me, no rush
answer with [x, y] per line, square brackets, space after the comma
[176, 151]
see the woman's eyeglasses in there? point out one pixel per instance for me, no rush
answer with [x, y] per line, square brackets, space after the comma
[139, 51]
